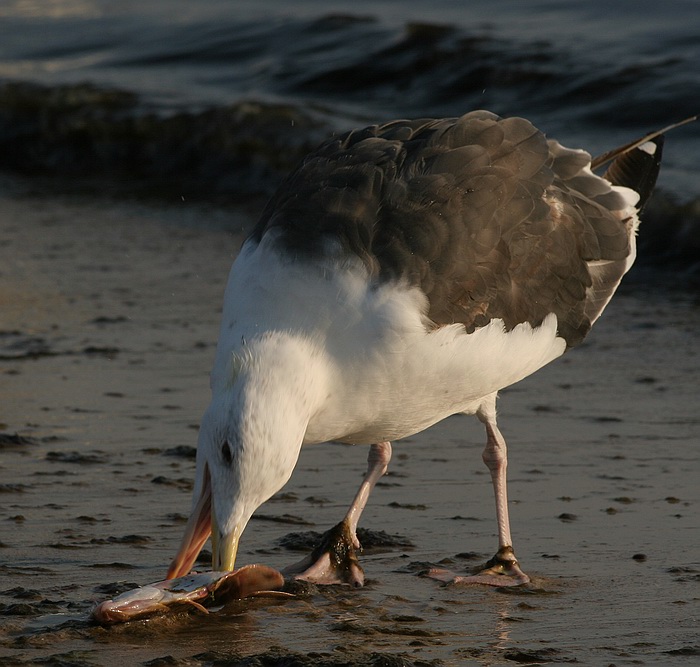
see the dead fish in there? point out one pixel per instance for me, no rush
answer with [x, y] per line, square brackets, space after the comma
[194, 589]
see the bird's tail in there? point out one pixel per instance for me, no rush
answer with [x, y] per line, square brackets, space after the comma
[636, 165]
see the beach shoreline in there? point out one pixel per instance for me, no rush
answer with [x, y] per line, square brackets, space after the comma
[109, 320]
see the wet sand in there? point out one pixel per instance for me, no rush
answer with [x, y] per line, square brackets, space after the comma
[108, 322]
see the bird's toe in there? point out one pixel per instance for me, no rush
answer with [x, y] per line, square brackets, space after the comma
[333, 561]
[502, 570]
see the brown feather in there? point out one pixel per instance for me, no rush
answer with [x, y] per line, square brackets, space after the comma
[483, 214]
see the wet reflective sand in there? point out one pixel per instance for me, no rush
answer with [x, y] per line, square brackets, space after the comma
[108, 321]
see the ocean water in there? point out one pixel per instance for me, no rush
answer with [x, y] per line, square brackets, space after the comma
[219, 99]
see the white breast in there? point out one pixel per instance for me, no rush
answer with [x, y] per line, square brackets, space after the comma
[383, 373]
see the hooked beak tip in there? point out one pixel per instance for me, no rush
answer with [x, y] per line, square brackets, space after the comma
[224, 547]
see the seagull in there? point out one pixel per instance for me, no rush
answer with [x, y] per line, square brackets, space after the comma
[403, 273]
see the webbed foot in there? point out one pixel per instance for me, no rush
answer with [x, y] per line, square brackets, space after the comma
[502, 570]
[333, 561]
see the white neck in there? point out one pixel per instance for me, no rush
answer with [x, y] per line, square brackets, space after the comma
[275, 383]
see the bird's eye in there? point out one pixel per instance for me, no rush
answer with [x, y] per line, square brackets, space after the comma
[226, 453]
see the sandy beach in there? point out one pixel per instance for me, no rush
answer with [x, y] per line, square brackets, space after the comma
[109, 315]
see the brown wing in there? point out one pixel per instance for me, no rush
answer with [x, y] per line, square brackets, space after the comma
[483, 214]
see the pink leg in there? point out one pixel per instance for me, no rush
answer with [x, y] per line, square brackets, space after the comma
[503, 568]
[377, 464]
[335, 560]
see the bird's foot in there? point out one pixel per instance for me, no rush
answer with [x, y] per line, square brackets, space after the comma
[501, 570]
[333, 561]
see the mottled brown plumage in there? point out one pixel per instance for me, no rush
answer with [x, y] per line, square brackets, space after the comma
[483, 214]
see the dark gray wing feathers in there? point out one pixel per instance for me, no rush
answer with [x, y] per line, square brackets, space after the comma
[483, 214]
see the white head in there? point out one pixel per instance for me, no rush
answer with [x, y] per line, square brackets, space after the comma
[249, 443]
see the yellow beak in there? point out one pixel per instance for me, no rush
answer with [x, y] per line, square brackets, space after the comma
[224, 547]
